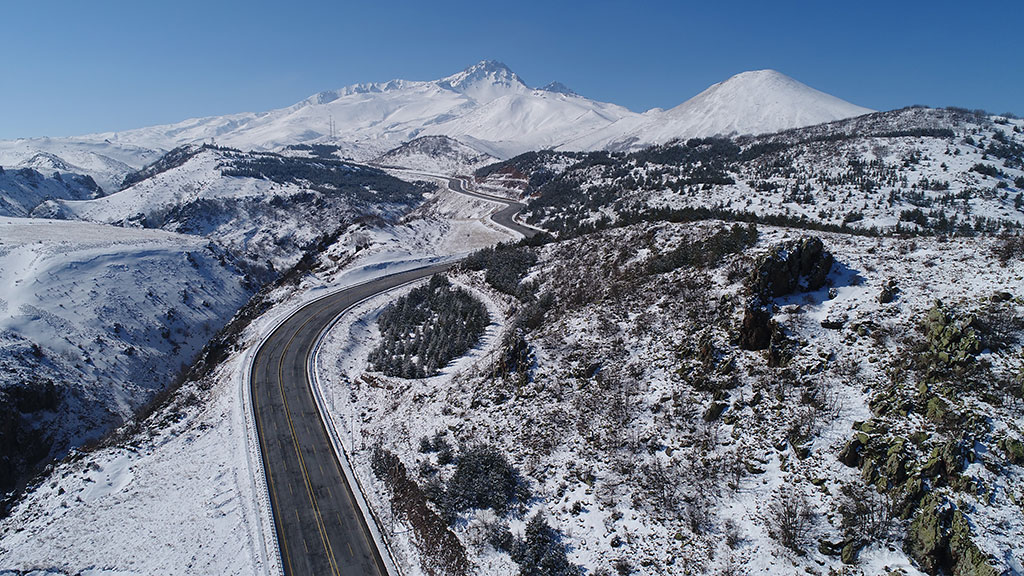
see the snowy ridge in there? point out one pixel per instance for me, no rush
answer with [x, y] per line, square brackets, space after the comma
[22, 191]
[197, 462]
[163, 296]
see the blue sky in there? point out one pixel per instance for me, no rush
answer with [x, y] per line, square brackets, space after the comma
[76, 67]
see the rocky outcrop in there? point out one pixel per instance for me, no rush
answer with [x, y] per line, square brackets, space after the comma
[757, 326]
[939, 539]
[800, 265]
[952, 338]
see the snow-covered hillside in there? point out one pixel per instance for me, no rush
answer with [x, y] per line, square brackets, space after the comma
[121, 508]
[267, 207]
[106, 162]
[436, 155]
[24, 189]
[755, 102]
[656, 442]
[915, 170]
[94, 321]
[98, 315]
[486, 106]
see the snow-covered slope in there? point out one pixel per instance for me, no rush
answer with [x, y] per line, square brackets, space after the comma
[22, 190]
[95, 320]
[486, 106]
[914, 170]
[266, 207]
[369, 119]
[755, 102]
[107, 162]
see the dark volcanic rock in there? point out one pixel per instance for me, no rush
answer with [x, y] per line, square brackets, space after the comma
[801, 264]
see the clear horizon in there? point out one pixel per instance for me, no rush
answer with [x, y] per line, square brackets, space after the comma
[78, 68]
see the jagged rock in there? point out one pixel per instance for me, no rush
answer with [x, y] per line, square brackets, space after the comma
[968, 559]
[939, 538]
[944, 462]
[908, 496]
[850, 454]
[780, 348]
[1002, 296]
[850, 552]
[952, 338]
[802, 264]
[888, 293]
[936, 409]
[1014, 450]
[834, 322]
[715, 411]
[928, 535]
[757, 327]
[827, 548]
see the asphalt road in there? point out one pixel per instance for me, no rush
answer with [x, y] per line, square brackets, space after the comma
[319, 527]
[503, 216]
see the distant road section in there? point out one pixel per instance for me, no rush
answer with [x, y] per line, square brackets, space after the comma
[505, 216]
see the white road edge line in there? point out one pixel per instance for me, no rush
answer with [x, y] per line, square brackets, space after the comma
[274, 565]
[316, 386]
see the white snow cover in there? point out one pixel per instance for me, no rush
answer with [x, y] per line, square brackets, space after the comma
[115, 312]
[22, 190]
[755, 102]
[435, 154]
[595, 497]
[487, 105]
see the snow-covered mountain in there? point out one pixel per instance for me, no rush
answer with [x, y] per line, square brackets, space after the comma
[486, 106]
[94, 321]
[756, 102]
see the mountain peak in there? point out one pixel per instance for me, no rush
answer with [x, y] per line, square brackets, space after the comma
[558, 88]
[485, 81]
[762, 79]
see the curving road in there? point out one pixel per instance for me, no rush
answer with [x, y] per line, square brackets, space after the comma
[505, 216]
[319, 527]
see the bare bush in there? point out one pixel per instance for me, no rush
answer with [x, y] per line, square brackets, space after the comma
[866, 514]
[789, 518]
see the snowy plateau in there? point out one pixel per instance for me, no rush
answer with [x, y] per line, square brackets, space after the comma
[766, 331]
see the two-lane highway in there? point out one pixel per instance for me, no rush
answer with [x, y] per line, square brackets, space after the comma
[319, 527]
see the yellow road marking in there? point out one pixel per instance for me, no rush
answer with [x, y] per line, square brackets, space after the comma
[318, 516]
[298, 452]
